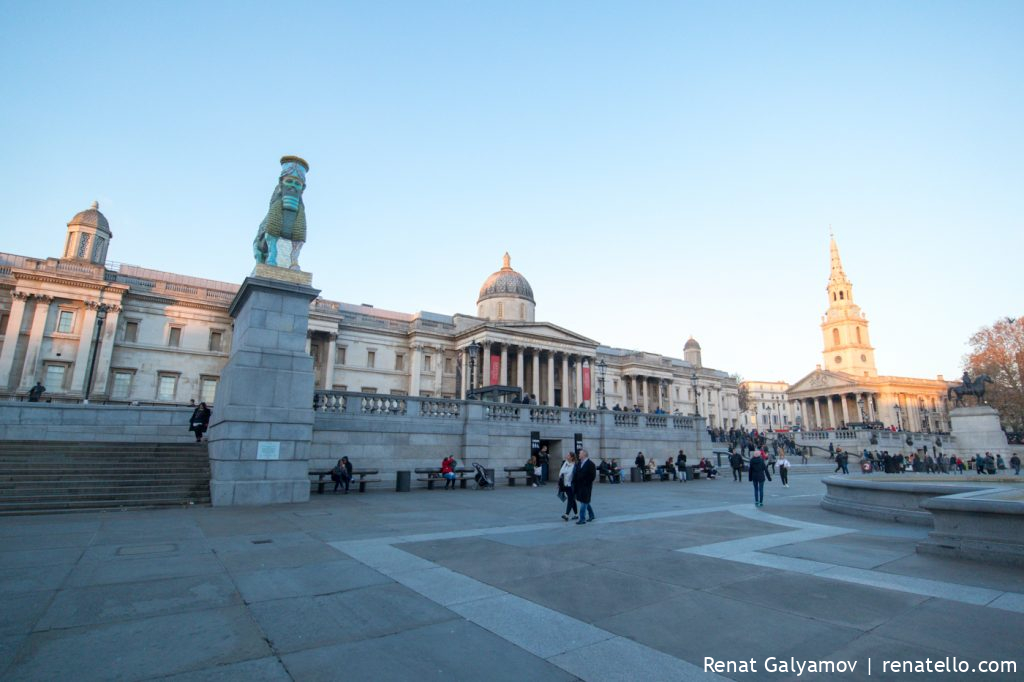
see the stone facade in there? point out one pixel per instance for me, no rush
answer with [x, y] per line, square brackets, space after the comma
[767, 407]
[164, 339]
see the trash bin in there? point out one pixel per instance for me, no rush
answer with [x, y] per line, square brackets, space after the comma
[634, 475]
[489, 473]
[402, 481]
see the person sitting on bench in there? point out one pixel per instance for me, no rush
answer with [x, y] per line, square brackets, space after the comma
[341, 474]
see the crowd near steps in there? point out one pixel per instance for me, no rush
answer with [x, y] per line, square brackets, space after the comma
[40, 477]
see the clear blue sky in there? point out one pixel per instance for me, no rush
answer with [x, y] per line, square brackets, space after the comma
[655, 169]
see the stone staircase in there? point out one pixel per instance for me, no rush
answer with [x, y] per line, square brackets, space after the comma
[38, 477]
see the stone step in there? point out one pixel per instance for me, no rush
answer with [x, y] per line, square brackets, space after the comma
[111, 495]
[21, 509]
[50, 478]
[78, 484]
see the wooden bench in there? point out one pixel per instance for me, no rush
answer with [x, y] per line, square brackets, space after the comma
[432, 475]
[358, 476]
[512, 471]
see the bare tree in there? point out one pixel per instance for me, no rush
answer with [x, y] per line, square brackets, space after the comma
[998, 351]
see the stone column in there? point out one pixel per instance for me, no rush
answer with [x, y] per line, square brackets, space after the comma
[465, 373]
[831, 411]
[35, 341]
[485, 371]
[309, 343]
[415, 368]
[86, 332]
[11, 337]
[551, 378]
[332, 358]
[520, 373]
[869, 399]
[817, 413]
[503, 380]
[566, 398]
[846, 409]
[438, 371]
[647, 394]
[106, 351]
[636, 398]
[260, 439]
[535, 379]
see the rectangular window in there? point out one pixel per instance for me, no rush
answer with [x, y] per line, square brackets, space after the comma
[371, 358]
[167, 386]
[216, 340]
[54, 378]
[65, 322]
[340, 360]
[174, 337]
[428, 363]
[399, 362]
[207, 389]
[121, 385]
[340, 387]
[399, 393]
[449, 365]
[368, 389]
[131, 331]
[5, 319]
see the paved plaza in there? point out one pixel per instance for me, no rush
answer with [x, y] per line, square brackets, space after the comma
[493, 585]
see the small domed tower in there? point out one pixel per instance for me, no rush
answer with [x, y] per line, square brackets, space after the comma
[88, 236]
[691, 352]
[506, 295]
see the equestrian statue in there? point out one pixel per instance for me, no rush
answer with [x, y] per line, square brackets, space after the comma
[975, 387]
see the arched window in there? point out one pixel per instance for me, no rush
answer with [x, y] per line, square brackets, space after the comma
[835, 337]
[858, 335]
[833, 295]
[840, 295]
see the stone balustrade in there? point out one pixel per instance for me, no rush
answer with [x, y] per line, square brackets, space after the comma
[344, 403]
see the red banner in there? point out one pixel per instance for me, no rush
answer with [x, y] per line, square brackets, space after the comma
[586, 381]
[495, 377]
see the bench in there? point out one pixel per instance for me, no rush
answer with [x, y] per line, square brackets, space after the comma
[358, 476]
[432, 475]
[512, 471]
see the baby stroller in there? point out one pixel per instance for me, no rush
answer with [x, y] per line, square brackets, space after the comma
[481, 479]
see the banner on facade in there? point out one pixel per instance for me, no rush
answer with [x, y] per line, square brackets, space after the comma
[534, 442]
[495, 370]
[586, 381]
[578, 442]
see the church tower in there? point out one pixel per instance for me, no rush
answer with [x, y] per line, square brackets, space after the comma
[844, 327]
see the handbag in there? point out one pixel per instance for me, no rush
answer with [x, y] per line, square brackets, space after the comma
[561, 495]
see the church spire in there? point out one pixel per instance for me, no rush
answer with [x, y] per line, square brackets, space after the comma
[837, 275]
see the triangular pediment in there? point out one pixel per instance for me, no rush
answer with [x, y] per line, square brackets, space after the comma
[538, 331]
[819, 380]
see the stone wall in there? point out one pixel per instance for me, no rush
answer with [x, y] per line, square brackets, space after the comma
[70, 422]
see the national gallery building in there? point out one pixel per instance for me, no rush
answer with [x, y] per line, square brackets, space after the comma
[125, 334]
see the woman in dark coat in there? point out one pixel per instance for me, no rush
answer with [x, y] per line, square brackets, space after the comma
[756, 474]
[199, 421]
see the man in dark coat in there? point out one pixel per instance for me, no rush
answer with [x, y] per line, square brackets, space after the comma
[757, 472]
[736, 462]
[583, 476]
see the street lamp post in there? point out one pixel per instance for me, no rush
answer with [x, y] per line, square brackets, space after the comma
[860, 408]
[101, 316]
[474, 353]
[602, 369]
[696, 395]
[899, 420]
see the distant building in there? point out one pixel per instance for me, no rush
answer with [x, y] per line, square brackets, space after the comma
[767, 406]
[846, 388]
[131, 334]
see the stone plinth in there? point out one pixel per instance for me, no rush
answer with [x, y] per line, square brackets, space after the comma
[976, 430]
[262, 423]
[983, 526]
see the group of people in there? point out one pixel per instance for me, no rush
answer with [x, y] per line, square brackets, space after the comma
[674, 469]
[936, 463]
[575, 486]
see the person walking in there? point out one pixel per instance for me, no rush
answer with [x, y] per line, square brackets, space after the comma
[583, 476]
[736, 462]
[641, 463]
[541, 474]
[784, 471]
[1015, 464]
[756, 474]
[681, 466]
[565, 491]
[199, 421]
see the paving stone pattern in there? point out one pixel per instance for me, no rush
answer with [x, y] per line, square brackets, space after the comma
[491, 585]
